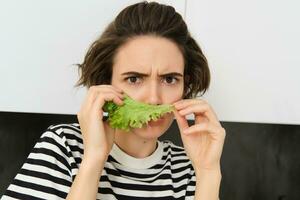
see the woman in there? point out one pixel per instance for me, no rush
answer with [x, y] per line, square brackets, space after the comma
[147, 53]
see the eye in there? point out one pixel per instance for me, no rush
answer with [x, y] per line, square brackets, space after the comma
[170, 78]
[132, 79]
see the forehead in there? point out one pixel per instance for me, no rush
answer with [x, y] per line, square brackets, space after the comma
[148, 53]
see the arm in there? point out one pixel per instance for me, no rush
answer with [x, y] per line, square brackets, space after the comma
[207, 184]
[85, 185]
[203, 143]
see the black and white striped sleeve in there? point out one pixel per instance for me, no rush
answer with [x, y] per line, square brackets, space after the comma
[191, 187]
[46, 173]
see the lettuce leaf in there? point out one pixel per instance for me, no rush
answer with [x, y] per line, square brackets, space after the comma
[133, 114]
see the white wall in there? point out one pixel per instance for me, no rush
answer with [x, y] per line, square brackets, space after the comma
[40, 40]
[253, 51]
[251, 47]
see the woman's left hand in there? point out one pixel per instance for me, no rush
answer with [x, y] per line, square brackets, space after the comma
[203, 141]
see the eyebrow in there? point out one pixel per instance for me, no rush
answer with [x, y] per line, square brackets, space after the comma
[146, 75]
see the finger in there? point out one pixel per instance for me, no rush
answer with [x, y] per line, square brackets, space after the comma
[117, 98]
[109, 88]
[200, 109]
[203, 127]
[183, 103]
[181, 121]
[101, 99]
[107, 128]
[95, 91]
[117, 89]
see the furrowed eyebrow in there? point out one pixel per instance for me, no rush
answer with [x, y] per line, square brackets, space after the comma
[162, 75]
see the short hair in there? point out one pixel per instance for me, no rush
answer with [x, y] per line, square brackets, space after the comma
[140, 19]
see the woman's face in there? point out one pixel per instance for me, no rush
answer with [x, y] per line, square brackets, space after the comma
[150, 69]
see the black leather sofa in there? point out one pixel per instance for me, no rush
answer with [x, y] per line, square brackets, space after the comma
[259, 161]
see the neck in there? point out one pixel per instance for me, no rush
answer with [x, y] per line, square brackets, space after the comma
[134, 145]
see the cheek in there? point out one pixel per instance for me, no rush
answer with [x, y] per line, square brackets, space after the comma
[176, 96]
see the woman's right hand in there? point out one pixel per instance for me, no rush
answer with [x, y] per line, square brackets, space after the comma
[98, 136]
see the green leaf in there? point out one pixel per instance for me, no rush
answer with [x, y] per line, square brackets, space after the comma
[133, 114]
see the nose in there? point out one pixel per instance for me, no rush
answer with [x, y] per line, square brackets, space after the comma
[153, 94]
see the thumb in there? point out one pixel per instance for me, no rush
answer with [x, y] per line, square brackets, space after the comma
[108, 129]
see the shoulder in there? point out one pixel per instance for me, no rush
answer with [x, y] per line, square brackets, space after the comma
[59, 128]
[67, 131]
[69, 135]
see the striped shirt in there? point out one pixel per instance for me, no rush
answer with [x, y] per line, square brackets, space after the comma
[52, 165]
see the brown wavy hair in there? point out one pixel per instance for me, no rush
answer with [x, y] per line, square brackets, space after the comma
[145, 18]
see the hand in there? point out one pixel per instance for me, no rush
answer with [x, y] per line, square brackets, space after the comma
[203, 141]
[98, 136]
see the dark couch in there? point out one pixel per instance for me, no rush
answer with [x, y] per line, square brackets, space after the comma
[259, 161]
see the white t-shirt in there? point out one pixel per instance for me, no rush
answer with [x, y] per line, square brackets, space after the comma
[52, 165]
